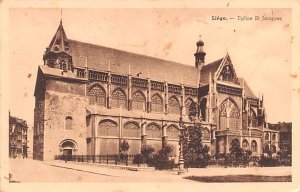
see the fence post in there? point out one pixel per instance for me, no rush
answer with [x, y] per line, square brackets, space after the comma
[107, 159]
[99, 159]
[82, 158]
[94, 158]
[116, 161]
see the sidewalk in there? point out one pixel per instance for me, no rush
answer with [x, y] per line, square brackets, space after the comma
[125, 170]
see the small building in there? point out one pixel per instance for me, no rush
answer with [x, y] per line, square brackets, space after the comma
[285, 135]
[17, 137]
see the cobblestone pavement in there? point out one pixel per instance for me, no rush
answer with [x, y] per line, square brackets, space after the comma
[28, 170]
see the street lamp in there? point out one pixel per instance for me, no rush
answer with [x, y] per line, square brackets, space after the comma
[181, 159]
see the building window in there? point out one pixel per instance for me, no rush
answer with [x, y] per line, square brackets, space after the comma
[108, 128]
[229, 115]
[119, 99]
[267, 136]
[138, 101]
[245, 144]
[97, 96]
[253, 146]
[205, 134]
[69, 123]
[274, 137]
[174, 106]
[131, 129]
[156, 103]
[187, 105]
[172, 132]
[153, 131]
[203, 108]
[253, 118]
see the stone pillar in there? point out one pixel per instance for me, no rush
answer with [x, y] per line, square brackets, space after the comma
[143, 135]
[97, 139]
[129, 92]
[109, 91]
[166, 108]
[227, 143]
[164, 135]
[183, 112]
[149, 96]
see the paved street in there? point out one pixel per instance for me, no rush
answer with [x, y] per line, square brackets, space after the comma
[28, 170]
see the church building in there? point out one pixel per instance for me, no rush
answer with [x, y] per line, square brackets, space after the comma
[89, 98]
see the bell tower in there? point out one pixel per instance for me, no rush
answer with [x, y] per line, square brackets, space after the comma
[57, 53]
[200, 54]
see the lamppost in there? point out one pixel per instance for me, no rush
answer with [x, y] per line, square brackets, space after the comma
[181, 159]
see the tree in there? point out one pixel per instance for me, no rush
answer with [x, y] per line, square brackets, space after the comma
[147, 151]
[124, 147]
[193, 149]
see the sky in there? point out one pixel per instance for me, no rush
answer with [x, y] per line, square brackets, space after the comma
[260, 50]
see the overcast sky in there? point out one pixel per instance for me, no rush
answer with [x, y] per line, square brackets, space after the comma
[260, 50]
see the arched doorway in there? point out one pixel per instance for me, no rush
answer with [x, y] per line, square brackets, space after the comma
[68, 147]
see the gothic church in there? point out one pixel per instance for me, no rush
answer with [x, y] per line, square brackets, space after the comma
[89, 98]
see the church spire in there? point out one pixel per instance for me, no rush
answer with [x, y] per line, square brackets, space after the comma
[200, 54]
[57, 53]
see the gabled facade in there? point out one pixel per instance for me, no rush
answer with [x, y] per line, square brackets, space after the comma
[89, 98]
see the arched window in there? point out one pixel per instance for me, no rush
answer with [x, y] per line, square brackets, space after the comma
[273, 149]
[156, 103]
[97, 96]
[253, 146]
[131, 129]
[203, 108]
[187, 105]
[108, 128]
[119, 99]
[174, 106]
[138, 101]
[267, 136]
[245, 144]
[266, 149]
[253, 118]
[69, 123]
[274, 137]
[205, 134]
[172, 132]
[153, 131]
[229, 115]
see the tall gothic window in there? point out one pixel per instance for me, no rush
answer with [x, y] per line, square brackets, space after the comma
[97, 96]
[69, 123]
[229, 115]
[172, 132]
[267, 137]
[253, 118]
[119, 99]
[187, 105]
[153, 131]
[203, 108]
[205, 134]
[108, 128]
[245, 144]
[174, 106]
[253, 146]
[131, 129]
[156, 103]
[138, 101]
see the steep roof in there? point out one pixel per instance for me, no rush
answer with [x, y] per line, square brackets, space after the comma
[122, 62]
[247, 89]
[59, 42]
[209, 68]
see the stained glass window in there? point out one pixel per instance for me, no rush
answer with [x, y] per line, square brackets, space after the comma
[138, 101]
[153, 131]
[172, 132]
[131, 129]
[174, 106]
[119, 99]
[97, 96]
[156, 103]
[253, 146]
[229, 111]
[108, 128]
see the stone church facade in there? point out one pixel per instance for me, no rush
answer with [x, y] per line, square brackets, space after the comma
[89, 98]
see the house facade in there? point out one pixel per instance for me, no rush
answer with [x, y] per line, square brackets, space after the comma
[90, 98]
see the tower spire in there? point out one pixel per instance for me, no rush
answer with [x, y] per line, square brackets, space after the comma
[61, 16]
[200, 54]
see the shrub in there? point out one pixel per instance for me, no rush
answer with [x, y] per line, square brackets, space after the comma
[139, 159]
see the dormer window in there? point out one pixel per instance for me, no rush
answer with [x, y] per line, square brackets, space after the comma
[56, 48]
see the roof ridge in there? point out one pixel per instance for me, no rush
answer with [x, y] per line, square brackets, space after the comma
[137, 54]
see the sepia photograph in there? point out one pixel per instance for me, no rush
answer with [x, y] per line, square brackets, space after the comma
[172, 96]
